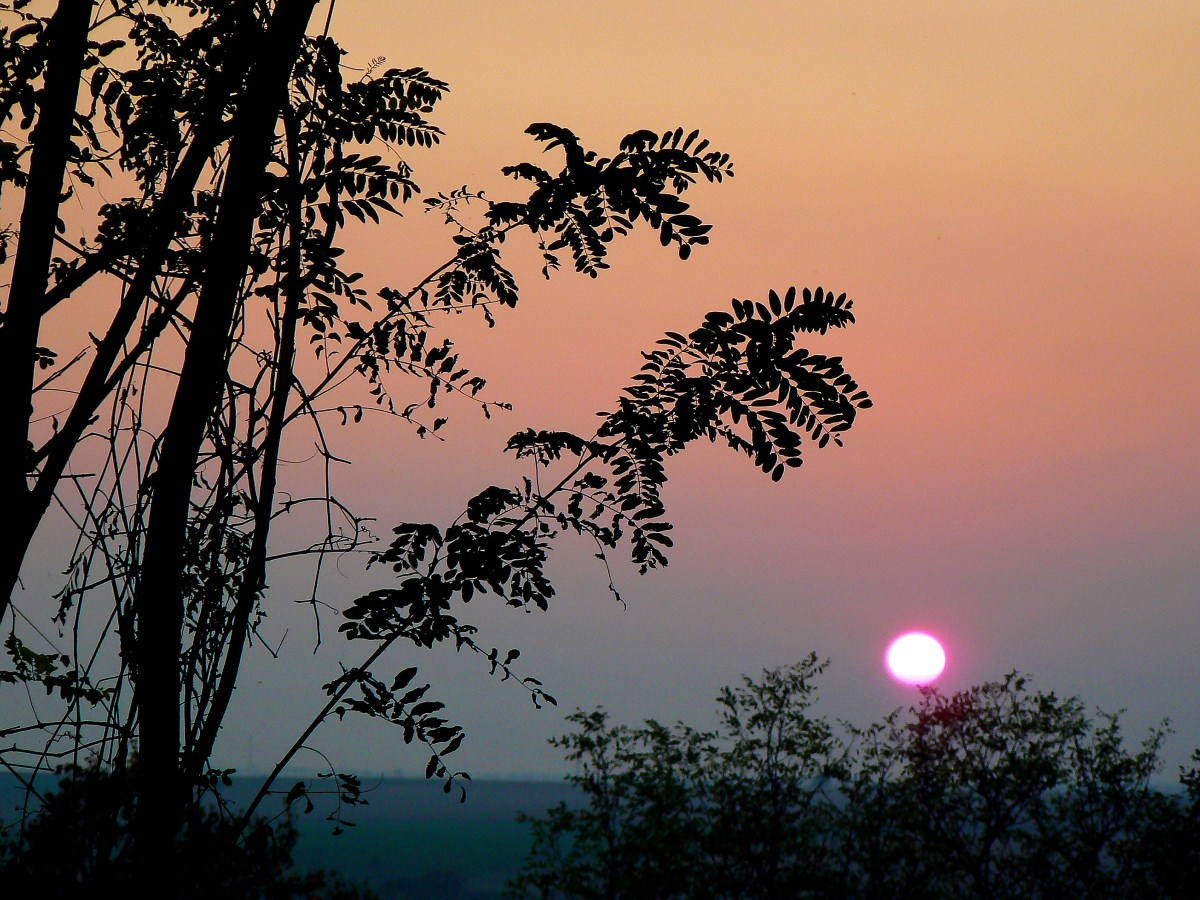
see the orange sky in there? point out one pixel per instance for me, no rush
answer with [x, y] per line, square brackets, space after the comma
[1009, 193]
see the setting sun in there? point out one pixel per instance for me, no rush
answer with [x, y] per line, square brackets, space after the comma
[915, 658]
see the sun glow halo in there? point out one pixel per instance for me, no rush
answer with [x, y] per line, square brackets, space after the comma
[915, 658]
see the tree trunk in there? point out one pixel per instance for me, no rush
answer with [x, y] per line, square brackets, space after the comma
[163, 226]
[66, 49]
[254, 578]
[158, 600]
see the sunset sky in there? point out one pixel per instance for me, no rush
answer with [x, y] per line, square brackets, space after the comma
[1009, 192]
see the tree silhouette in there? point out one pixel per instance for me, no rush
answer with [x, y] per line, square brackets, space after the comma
[995, 791]
[743, 810]
[243, 151]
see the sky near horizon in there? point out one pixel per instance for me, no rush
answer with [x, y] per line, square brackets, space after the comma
[1009, 193]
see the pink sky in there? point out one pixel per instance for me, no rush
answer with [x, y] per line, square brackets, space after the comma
[1009, 193]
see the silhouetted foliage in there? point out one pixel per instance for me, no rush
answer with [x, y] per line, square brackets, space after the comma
[79, 842]
[995, 791]
[215, 156]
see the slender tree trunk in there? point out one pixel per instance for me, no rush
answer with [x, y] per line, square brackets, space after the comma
[158, 600]
[66, 48]
[162, 228]
[254, 580]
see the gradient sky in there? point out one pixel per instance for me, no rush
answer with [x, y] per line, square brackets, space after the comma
[1009, 193]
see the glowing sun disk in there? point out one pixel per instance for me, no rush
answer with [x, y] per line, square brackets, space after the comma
[915, 658]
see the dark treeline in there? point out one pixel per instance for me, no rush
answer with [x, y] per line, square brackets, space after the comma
[996, 791]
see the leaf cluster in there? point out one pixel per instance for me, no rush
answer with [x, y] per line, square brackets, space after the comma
[53, 671]
[738, 378]
[405, 707]
[595, 198]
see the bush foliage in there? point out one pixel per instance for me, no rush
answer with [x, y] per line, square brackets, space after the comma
[999, 790]
[80, 841]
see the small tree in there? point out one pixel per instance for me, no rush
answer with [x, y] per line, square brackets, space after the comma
[743, 810]
[1001, 791]
[641, 827]
[218, 166]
